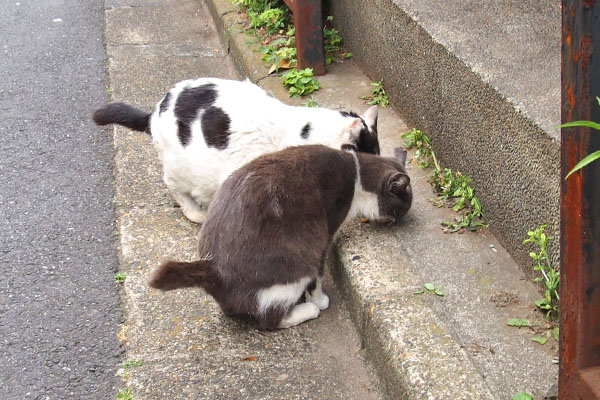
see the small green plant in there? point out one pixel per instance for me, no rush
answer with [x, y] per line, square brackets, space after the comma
[124, 394]
[542, 334]
[132, 364]
[257, 5]
[311, 102]
[272, 19]
[431, 288]
[120, 277]
[550, 277]
[518, 322]
[128, 365]
[522, 396]
[278, 51]
[300, 82]
[541, 339]
[377, 95]
[453, 189]
[424, 153]
[332, 40]
[590, 157]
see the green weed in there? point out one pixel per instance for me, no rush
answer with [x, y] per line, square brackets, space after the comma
[258, 6]
[311, 102]
[278, 51]
[550, 277]
[431, 288]
[332, 40]
[128, 365]
[592, 156]
[300, 82]
[424, 153]
[124, 394]
[120, 277]
[518, 322]
[377, 95]
[132, 364]
[273, 20]
[452, 188]
[522, 396]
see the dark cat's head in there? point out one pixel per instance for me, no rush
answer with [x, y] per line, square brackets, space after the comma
[387, 191]
[364, 131]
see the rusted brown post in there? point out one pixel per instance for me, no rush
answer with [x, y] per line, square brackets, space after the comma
[579, 372]
[308, 20]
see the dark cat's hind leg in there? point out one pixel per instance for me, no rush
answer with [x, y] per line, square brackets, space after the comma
[314, 294]
[278, 307]
[298, 314]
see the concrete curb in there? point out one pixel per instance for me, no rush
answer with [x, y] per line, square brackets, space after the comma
[417, 350]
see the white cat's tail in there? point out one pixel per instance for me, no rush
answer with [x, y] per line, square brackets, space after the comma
[123, 114]
[175, 275]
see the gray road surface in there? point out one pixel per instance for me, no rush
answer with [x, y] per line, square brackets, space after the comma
[59, 304]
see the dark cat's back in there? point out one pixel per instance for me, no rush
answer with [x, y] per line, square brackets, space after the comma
[289, 206]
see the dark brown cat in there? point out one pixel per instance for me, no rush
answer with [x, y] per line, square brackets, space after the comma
[267, 233]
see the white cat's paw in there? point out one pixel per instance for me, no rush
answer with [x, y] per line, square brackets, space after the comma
[194, 216]
[321, 301]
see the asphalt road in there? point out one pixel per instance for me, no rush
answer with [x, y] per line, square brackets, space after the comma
[59, 303]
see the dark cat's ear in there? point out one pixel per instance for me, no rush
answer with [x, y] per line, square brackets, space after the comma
[400, 154]
[398, 183]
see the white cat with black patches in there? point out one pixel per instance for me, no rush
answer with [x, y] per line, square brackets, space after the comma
[266, 236]
[205, 129]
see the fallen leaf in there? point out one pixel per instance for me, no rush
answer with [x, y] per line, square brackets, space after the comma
[518, 322]
[250, 359]
[539, 339]
[283, 64]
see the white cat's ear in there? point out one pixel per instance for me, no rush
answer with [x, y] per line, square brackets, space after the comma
[370, 117]
[353, 130]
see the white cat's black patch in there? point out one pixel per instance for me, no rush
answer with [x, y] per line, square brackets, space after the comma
[190, 102]
[305, 132]
[164, 104]
[215, 127]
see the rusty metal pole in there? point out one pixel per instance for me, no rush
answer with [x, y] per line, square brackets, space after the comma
[308, 20]
[579, 372]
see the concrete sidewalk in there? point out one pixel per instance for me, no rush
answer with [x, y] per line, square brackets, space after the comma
[419, 346]
[186, 347]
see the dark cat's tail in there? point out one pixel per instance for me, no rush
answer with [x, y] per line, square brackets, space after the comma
[123, 114]
[174, 275]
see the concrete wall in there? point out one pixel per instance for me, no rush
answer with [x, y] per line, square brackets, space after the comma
[474, 128]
